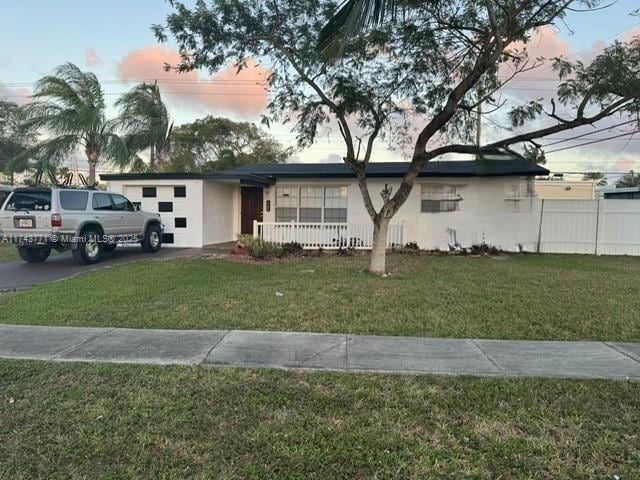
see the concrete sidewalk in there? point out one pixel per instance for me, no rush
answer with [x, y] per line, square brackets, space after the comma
[314, 351]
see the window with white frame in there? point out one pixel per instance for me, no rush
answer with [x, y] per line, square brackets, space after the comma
[311, 204]
[335, 204]
[439, 198]
[287, 204]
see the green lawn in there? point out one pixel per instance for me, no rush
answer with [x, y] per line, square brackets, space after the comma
[102, 421]
[518, 297]
[8, 253]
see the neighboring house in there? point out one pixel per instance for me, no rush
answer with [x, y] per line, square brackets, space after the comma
[557, 188]
[452, 202]
[4, 193]
[630, 193]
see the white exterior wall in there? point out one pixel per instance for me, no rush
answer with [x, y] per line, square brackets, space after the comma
[221, 217]
[189, 207]
[484, 214]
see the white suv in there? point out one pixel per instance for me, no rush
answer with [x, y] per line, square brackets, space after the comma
[89, 222]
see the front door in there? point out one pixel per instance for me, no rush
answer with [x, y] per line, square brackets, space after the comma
[251, 208]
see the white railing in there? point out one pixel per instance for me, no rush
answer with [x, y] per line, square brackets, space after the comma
[325, 235]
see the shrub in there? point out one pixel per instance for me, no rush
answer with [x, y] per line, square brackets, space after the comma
[260, 249]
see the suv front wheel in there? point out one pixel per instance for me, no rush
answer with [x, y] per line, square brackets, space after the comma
[89, 249]
[34, 254]
[152, 239]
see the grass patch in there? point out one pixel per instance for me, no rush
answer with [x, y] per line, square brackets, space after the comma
[8, 253]
[103, 421]
[517, 297]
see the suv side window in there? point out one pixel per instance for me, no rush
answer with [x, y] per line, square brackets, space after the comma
[102, 201]
[121, 204]
[70, 200]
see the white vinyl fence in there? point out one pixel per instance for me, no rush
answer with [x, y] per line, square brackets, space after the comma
[329, 236]
[600, 227]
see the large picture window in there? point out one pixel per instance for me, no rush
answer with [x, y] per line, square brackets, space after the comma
[311, 204]
[439, 198]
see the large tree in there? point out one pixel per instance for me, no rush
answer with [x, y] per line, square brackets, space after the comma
[434, 65]
[214, 143]
[69, 109]
[146, 123]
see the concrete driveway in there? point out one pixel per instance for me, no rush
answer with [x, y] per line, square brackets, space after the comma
[16, 275]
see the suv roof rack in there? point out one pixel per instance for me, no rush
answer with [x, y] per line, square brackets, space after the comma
[66, 182]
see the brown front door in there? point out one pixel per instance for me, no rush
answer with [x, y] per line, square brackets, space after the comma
[251, 208]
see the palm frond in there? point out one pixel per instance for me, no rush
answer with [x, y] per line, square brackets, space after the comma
[351, 19]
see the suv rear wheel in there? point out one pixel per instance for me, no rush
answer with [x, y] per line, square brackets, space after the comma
[90, 248]
[34, 254]
[152, 239]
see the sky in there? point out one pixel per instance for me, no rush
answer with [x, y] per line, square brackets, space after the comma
[113, 39]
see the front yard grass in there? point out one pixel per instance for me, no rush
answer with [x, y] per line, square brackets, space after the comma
[8, 253]
[516, 297]
[104, 421]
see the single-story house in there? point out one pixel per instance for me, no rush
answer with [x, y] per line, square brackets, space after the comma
[320, 205]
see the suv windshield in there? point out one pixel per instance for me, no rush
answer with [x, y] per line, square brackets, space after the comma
[33, 201]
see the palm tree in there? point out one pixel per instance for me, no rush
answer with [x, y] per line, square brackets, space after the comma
[595, 177]
[145, 120]
[630, 179]
[69, 106]
[352, 18]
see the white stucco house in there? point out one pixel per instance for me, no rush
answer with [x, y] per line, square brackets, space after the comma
[453, 202]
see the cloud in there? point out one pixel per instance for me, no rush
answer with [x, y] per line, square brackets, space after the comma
[91, 58]
[16, 95]
[242, 94]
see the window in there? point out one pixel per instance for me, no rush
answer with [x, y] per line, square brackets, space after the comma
[32, 201]
[335, 204]
[439, 198]
[149, 192]
[74, 200]
[167, 238]
[180, 222]
[102, 201]
[121, 204]
[287, 204]
[165, 206]
[521, 190]
[179, 192]
[311, 204]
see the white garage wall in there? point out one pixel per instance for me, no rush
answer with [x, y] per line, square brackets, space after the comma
[189, 207]
[485, 213]
[221, 203]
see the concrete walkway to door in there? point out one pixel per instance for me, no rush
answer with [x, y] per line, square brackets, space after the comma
[334, 352]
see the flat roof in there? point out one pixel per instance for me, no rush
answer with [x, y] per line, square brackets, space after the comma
[268, 174]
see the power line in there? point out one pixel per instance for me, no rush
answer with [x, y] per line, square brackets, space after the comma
[590, 133]
[594, 141]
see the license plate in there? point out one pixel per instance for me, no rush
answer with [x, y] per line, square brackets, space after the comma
[25, 223]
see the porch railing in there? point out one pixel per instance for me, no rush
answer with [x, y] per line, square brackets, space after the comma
[329, 236]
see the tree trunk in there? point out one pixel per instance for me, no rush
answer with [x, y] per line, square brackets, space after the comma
[378, 261]
[92, 172]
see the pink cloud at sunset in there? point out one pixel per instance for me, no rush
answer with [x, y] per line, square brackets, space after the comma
[240, 93]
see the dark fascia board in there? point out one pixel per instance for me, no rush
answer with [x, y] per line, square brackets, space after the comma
[245, 178]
